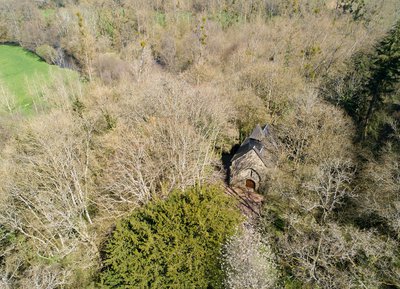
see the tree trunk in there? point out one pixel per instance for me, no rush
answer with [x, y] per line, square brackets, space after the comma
[368, 116]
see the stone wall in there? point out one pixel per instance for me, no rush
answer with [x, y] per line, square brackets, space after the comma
[248, 166]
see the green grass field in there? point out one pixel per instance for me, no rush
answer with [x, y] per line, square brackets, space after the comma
[21, 72]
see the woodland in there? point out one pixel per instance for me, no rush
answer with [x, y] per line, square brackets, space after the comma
[114, 179]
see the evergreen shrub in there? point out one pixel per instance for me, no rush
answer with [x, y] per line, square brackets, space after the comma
[172, 243]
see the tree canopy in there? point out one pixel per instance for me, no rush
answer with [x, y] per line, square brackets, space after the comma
[173, 243]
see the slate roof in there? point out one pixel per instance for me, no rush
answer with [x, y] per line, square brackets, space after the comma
[254, 142]
[257, 134]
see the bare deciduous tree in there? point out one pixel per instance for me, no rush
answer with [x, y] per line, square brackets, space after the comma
[329, 186]
[381, 186]
[313, 131]
[340, 247]
[47, 186]
[46, 277]
[165, 139]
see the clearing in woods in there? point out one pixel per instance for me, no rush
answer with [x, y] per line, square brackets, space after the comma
[22, 73]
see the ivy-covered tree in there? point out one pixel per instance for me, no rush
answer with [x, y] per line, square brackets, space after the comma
[173, 243]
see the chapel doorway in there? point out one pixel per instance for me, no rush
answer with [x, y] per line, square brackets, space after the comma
[250, 184]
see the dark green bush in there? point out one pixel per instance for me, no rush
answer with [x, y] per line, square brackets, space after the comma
[173, 243]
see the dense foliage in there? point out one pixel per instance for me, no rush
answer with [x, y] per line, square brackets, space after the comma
[340, 228]
[173, 243]
[166, 87]
[370, 90]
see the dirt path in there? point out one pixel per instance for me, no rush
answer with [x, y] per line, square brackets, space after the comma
[249, 202]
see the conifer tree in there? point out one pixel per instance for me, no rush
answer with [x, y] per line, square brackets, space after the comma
[369, 87]
[173, 243]
[384, 73]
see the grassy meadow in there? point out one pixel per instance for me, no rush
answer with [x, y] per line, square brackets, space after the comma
[22, 74]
